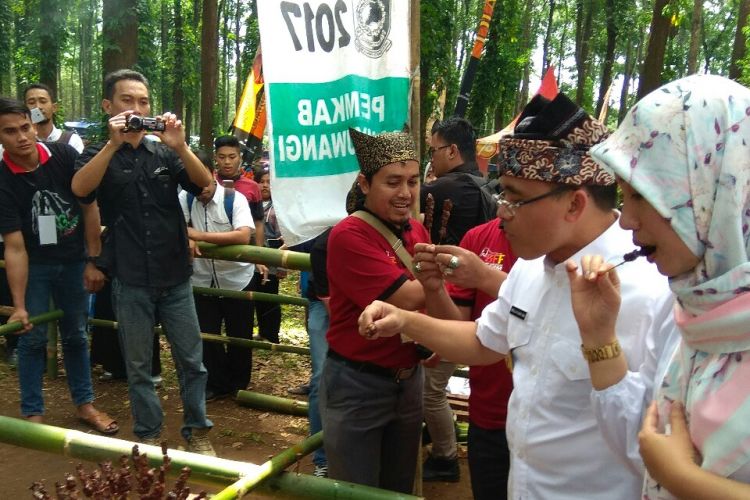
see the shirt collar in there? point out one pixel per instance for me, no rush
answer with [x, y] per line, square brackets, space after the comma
[147, 143]
[44, 155]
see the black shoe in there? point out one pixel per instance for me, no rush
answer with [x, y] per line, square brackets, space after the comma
[300, 390]
[212, 395]
[441, 469]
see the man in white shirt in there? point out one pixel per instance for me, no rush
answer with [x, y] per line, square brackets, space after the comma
[557, 205]
[229, 367]
[41, 97]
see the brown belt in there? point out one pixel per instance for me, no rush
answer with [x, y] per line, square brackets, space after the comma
[396, 374]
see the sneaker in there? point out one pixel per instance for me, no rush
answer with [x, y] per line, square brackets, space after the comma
[153, 441]
[199, 443]
[300, 390]
[157, 380]
[212, 395]
[12, 358]
[321, 471]
[441, 469]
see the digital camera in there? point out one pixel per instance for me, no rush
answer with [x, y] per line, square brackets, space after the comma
[137, 123]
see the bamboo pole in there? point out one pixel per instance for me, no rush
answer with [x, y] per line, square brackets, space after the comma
[267, 402]
[208, 471]
[52, 334]
[242, 295]
[11, 328]
[253, 344]
[271, 467]
[255, 254]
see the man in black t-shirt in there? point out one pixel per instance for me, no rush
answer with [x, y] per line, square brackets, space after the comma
[44, 227]
[147, 251]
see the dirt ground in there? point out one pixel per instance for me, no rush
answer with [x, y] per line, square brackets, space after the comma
[239, 433]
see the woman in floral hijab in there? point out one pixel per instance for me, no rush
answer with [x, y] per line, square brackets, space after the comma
[682, 159]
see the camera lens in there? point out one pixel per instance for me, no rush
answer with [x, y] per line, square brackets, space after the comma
[135, 122]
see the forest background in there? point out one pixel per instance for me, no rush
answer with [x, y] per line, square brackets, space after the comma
[197, 53]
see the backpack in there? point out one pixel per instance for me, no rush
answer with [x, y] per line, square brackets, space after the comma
[228, 203]
[488, 204]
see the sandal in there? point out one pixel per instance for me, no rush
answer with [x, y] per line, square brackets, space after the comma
[100, 422]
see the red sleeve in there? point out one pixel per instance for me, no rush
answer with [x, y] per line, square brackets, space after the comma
[361, 263]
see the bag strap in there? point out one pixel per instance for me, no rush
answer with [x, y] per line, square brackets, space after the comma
[392, 239]
[229, 203]
[65, 137]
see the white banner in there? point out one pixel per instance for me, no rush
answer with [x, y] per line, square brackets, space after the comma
[328, 65]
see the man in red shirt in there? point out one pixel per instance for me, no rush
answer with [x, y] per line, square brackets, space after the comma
[228, 157]
[472, 287]
[371, 392]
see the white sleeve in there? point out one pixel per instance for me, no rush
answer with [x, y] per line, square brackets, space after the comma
[76, 141]
[183, 205]
[619, 408]
[492, 325]
[241, 216]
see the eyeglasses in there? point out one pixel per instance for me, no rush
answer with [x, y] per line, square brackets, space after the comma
[432, 150]
[507, 209]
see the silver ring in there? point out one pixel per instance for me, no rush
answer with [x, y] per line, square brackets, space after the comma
[454, 262]
[418, 267]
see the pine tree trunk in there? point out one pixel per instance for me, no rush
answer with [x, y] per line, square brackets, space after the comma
[119, 35]
[178, 96]
[650, 78]
[609, 57]
[209, 68]
[740, 41]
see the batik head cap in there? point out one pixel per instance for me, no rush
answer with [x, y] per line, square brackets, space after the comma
[376, 151]
[551, 143]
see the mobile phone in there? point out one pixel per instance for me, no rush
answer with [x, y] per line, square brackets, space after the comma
[37, 115]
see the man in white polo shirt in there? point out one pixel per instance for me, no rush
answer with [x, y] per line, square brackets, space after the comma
[221, 216]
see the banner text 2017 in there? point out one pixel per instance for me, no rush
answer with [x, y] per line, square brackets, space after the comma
[326, 22]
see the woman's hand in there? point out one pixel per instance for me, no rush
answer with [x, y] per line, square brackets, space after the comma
[595, 297]
[667, 457]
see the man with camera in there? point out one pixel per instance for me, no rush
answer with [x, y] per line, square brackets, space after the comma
[146, 250]
[41, 101]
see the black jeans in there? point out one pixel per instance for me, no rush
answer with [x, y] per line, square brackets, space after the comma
[269, 313]
[489, 463]
[229, 367]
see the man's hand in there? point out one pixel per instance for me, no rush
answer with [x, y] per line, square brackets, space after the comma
[21, 315]
[173, 134]
[595, 296]
[263, 270]
[470, 270]
[667, 457]
[116, 124]
[432, 361]
[195, 235]
[93, 278]
[425, 269]
[195, 251]
[381, 319]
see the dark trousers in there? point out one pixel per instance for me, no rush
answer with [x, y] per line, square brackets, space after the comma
[229, 367]
[372, 426]
[268, 313]
[105, 344]
[489, 463]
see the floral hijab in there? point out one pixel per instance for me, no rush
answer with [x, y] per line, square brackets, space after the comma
[686, 149]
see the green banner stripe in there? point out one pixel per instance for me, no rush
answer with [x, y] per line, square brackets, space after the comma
[311, 121]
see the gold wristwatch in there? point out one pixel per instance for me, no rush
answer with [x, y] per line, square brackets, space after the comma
[603, 353]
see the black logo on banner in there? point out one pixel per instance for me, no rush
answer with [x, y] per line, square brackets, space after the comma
[518, 313]
[372, 25]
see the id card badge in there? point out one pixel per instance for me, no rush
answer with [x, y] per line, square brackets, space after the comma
[47, 230]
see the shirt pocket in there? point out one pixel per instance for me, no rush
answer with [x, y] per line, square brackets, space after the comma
[568, 385]
[519, 336]
[163, 187]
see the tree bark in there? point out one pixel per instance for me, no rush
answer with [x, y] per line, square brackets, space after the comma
[695, 37]
[178, 96]
[548, 38]
[50, 42]
[584, 21]
[653, 65]
[209, 67]
[740, 41]
[609, 56]
[119, 35]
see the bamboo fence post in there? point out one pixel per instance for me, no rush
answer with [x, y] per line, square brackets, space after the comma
[52, 333]
[257, 255]
[267, 402]
[208, 471]
[11, 328]
[243, 295]
[253, 344]
[271, 467]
